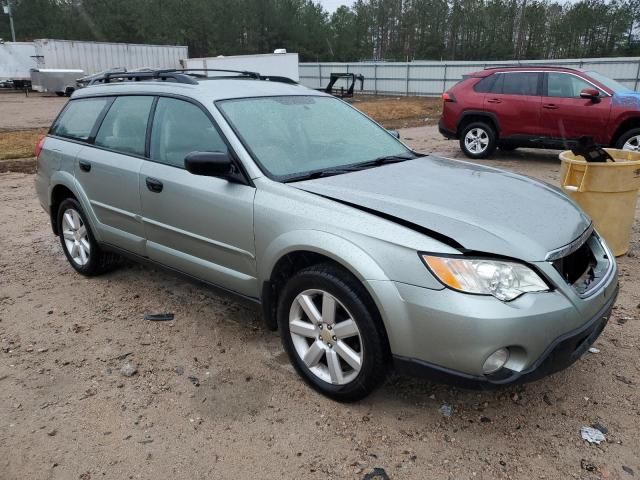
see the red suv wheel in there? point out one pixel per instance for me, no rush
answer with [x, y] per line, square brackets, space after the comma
[478, 140]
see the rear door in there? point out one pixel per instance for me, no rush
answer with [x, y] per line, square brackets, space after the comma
[199, 225]
[108, 171]
[567, 116]
[74, 128]
[515, 101]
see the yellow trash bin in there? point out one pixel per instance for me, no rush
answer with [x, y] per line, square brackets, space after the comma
[606, 191]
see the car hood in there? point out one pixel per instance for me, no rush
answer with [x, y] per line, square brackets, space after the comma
[626, 100]
[480, 208]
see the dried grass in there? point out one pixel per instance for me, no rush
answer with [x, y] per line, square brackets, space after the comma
[19, 144]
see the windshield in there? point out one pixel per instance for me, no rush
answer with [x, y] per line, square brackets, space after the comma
[292, 136]
[611, 84]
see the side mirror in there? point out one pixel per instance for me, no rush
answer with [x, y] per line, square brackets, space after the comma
[590, 93]
[395, 133]
[209, 164]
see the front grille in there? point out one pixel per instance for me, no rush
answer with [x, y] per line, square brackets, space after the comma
[575, 265]
[585, 267]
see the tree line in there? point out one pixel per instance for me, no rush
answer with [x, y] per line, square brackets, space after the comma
[366, 30]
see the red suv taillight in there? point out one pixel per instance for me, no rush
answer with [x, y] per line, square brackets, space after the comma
[39, 146]
[448, 97]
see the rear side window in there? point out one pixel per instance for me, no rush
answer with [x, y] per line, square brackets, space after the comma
[124, 128]
[485, 85]
[521, 83]
[179, 128]
[79, 118]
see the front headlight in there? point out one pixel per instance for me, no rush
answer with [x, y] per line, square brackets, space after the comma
[504, 280]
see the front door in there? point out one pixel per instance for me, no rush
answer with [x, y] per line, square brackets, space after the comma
[566, 116]
[199, 225]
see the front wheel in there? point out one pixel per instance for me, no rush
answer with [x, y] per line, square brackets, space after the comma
[630, 140]
[478, 140]
[330, 329]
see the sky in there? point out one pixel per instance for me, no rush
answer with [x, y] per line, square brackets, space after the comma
[332, 5]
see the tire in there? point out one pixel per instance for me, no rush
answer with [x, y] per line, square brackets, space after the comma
[486, 137]
[60, 94]
[85, 257]
[355, 380]
[633, 137]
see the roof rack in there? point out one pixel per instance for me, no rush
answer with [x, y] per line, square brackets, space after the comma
[241, 73]
[178, 75]
[529, 65]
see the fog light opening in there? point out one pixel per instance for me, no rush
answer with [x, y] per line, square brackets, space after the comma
[495, 361]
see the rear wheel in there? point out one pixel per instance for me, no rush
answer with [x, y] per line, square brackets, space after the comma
[478, 140]
[78, 243]
[330, 331]
[630, 140]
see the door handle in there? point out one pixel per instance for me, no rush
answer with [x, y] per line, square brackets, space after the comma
[494, 100]
[84, 165]
[154, 184]
[550, 106]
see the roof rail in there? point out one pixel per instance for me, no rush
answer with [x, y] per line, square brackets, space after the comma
[243, 73]
[137, 76]
[178, 75]
[529, 65]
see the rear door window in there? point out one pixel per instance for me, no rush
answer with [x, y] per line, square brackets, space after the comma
[179, 128]
[79, 118]
[124, 128]
[485, 85]
[496, 87]
[520, 83]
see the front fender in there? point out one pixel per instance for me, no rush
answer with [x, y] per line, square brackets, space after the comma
[339, 249]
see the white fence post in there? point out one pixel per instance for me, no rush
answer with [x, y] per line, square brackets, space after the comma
[444, 81]
[375, 78]
[406, 90]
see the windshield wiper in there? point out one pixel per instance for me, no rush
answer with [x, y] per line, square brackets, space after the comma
[376, 162]
[319, 173]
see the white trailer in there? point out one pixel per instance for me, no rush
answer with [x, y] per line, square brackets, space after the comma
[276, 64]
[16, 60]
[94, 57]
[58, 81]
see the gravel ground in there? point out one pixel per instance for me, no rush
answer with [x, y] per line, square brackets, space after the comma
[213, 395]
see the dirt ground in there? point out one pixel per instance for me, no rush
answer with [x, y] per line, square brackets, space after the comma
[22, 121]
[214, 395]
[400, 112]
[18, 112]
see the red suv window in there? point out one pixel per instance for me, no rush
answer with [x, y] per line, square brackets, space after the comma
[485, 85]
[520, 83]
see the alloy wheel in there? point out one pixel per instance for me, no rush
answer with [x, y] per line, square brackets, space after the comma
[633, 144]
[326, 337]
[76, 237]
[476, 140]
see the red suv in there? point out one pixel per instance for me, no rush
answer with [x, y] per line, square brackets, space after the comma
[539, 107]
